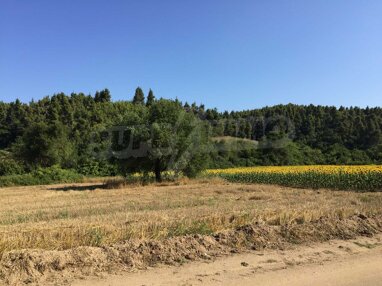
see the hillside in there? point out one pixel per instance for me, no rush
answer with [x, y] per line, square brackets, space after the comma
[60, 130]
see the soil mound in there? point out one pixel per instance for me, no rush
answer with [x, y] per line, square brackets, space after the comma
[60, 267]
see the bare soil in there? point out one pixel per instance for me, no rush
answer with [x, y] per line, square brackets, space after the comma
[337, 263]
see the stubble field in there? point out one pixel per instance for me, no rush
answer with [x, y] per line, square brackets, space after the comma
[61, 218]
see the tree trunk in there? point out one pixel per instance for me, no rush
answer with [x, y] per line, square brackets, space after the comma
[158, 175]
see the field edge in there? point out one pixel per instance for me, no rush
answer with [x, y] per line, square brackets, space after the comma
[61, 267]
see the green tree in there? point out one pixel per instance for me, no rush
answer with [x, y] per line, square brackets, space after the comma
[139, 96]
[45, 145]
[179, 140]
[150, 98]
[4, 131]
[15, 121]
[163, 137]
[102, 96]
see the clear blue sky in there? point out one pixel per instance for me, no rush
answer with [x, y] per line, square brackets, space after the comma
[228, 54]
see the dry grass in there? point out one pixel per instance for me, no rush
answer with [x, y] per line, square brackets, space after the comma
[66, 216]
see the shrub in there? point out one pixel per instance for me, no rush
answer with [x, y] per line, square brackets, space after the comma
[97, 168]
[10, 167]
[41, 176]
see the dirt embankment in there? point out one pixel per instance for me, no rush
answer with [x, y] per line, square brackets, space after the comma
[62, 267]
[334, 263]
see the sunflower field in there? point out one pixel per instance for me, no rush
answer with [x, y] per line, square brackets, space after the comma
[362, 178]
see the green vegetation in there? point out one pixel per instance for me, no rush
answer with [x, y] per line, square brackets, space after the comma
[361, 178]
[9, 166]
[365, 182]
[167, 138]
[68, 130]
[41, 176]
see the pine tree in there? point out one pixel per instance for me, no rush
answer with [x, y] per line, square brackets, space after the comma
[139, 97]
[150, 98]
[103, 96]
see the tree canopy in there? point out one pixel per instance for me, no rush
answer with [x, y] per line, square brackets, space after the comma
[139, 96]
[60, 129]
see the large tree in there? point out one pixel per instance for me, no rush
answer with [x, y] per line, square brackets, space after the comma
[170, 139]
[178, 139]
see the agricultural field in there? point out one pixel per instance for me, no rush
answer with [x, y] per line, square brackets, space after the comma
[190, 143]
[362, 178]
[55, 233]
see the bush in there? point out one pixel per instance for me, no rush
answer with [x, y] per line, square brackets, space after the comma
[97, 168]
[41, 176]
[10, 167]
[56, 174]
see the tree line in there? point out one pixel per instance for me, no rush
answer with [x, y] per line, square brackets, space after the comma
[68, 130]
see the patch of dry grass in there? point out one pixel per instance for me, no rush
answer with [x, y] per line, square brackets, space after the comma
[66, 216]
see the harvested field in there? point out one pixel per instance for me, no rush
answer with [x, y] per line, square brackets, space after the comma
[85, 229]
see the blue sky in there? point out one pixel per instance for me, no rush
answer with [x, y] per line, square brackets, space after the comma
[227, 54]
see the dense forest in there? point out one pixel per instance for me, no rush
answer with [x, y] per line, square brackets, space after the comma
[64, 130]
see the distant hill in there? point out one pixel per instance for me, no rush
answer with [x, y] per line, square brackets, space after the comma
[64, 125]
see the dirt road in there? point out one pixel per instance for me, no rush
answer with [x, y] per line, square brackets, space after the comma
[350, 263]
